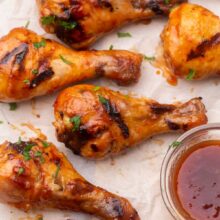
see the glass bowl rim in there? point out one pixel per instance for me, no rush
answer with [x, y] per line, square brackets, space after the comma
[170, 152]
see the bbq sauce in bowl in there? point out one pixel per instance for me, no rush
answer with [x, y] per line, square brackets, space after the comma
[196, 181]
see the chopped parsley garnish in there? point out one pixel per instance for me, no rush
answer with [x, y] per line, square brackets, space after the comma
[27, 24]
[96, 88]
[76, 121]
[175, 144]
[167, 2]
[57, 171]
[26, 152]
[19, 140]
[111, 47]
[68, 25]
[39, 155]
[191, 74]
[124, 34]
[26, 156]
[13, 106]
[65, 60]
[20, 171]
[103, 100]
[174, 7]
[27, 81]
[149, 58]
[45, 144]
[40, 44]
[35, 71]
[46, 20]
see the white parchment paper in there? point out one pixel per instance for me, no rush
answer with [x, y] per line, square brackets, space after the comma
[134, 175]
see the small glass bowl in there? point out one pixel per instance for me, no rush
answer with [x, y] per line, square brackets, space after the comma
[187, 140]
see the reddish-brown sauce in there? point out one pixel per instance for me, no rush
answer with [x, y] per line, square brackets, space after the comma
[162, 63]
[197, 182]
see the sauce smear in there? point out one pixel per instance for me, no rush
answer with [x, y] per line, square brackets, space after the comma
[197, 181]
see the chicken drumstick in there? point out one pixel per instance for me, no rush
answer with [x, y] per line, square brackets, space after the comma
[80, 23]
[34, 174]
[95, 122]
[31, 66]
[191, 43]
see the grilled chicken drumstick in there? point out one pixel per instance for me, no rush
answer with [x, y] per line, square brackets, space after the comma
[32, 66]
[191, 43]
[95, 122]
[80, 23]
[35, 174]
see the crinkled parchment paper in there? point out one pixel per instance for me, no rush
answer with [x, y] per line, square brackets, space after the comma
[134, 175]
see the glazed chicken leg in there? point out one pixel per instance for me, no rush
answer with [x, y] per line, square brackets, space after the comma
[95, 122]
[80, 23]
[191, 43]
[31, 66]
[35, 174]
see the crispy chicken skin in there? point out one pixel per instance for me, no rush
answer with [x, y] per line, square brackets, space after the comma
[80, 23]
[34, 174]
[191, 42]
[95, 122]
[31, 66]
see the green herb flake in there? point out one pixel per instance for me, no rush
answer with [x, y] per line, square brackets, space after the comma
[127, 96]
[35, 71]
[42, 160]
[96, 88]
[26, 156]
[57, 171]
[27, 81]
[111, 47]
[149, 58]
[167, 2]
[19, 140]
[175, 144]
[174, 7]
[38, 154]
[191, 74]
[65, 60]
[26, 152]
[103, 100]
[124, 34]
[27, 24]
[76, 121]
[20, 171]
[45, 144]
[68, 25]
[40, 44]
[1, 122]
[13, 106]
[47, 20]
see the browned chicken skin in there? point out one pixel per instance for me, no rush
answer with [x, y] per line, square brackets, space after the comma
[31, 66]
[95, 122]
[35, 174]
[191, 43]
[79, 23]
